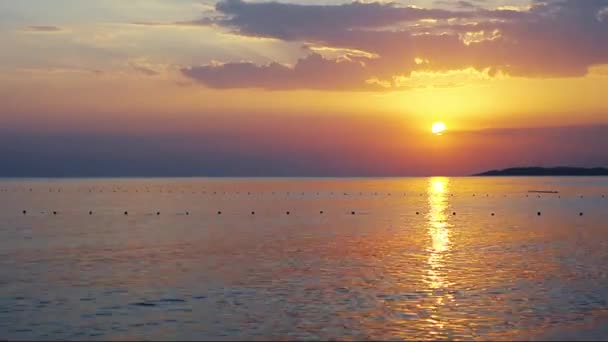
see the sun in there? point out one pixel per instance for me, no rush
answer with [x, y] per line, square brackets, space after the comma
[438, 128]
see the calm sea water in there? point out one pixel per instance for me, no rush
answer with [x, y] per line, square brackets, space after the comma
[412, 258]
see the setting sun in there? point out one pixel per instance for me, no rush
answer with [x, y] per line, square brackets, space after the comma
[438, 128]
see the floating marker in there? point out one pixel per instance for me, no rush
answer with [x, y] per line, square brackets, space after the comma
[24, 212]
[54, 213]
[580, 214]
[417, 213]
[454, 213]
[187, 213]
[538, 213]
[253, 213]
[219, 213]
[352, 213]
[287, 213]
[321, 212]
[492, 214]
[126, 213]
[90, 212]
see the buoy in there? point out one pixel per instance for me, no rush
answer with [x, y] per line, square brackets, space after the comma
[417, 213]
[126, 213]
[352, 213]
[287, 213]
[90, 212]
[538, 213]
[157, 213]
[492, 214]
[580, 214]
[321, 212]
[253, 213]
[24, 212]
[219, 213]
[454, 213]
[187, 213]
[54, 213]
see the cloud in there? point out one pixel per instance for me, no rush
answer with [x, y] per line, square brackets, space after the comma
[143, 67]
[312, 72]
[552, 38]
[42, 29]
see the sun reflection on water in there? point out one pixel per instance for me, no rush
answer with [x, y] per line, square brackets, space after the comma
[439, 249]
[438, 230]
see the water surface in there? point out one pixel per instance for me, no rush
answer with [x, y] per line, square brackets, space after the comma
[411, 258]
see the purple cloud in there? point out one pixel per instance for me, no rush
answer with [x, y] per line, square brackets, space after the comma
[561, 38]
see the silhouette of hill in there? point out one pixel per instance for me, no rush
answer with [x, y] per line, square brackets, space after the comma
[551, 171]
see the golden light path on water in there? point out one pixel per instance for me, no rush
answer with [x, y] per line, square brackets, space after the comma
[439, 247]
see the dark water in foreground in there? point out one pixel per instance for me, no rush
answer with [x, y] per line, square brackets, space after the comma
[419, 258]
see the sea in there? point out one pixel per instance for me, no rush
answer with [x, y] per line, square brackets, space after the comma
[496, 258]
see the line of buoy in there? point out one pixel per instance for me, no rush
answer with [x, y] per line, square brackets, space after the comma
[253, 212]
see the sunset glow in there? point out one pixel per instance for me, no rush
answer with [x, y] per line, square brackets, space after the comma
[238, 87]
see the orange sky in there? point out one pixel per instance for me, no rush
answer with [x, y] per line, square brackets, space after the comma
[318, 88]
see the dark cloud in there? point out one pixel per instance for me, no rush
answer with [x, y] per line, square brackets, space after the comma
[340, 147]
[313, 72]
[42, 28]
[456, 4]
[559, 38]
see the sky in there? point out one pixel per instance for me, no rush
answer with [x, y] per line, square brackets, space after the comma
[300, 88]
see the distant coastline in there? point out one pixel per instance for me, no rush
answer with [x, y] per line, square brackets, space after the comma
[547, 171]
